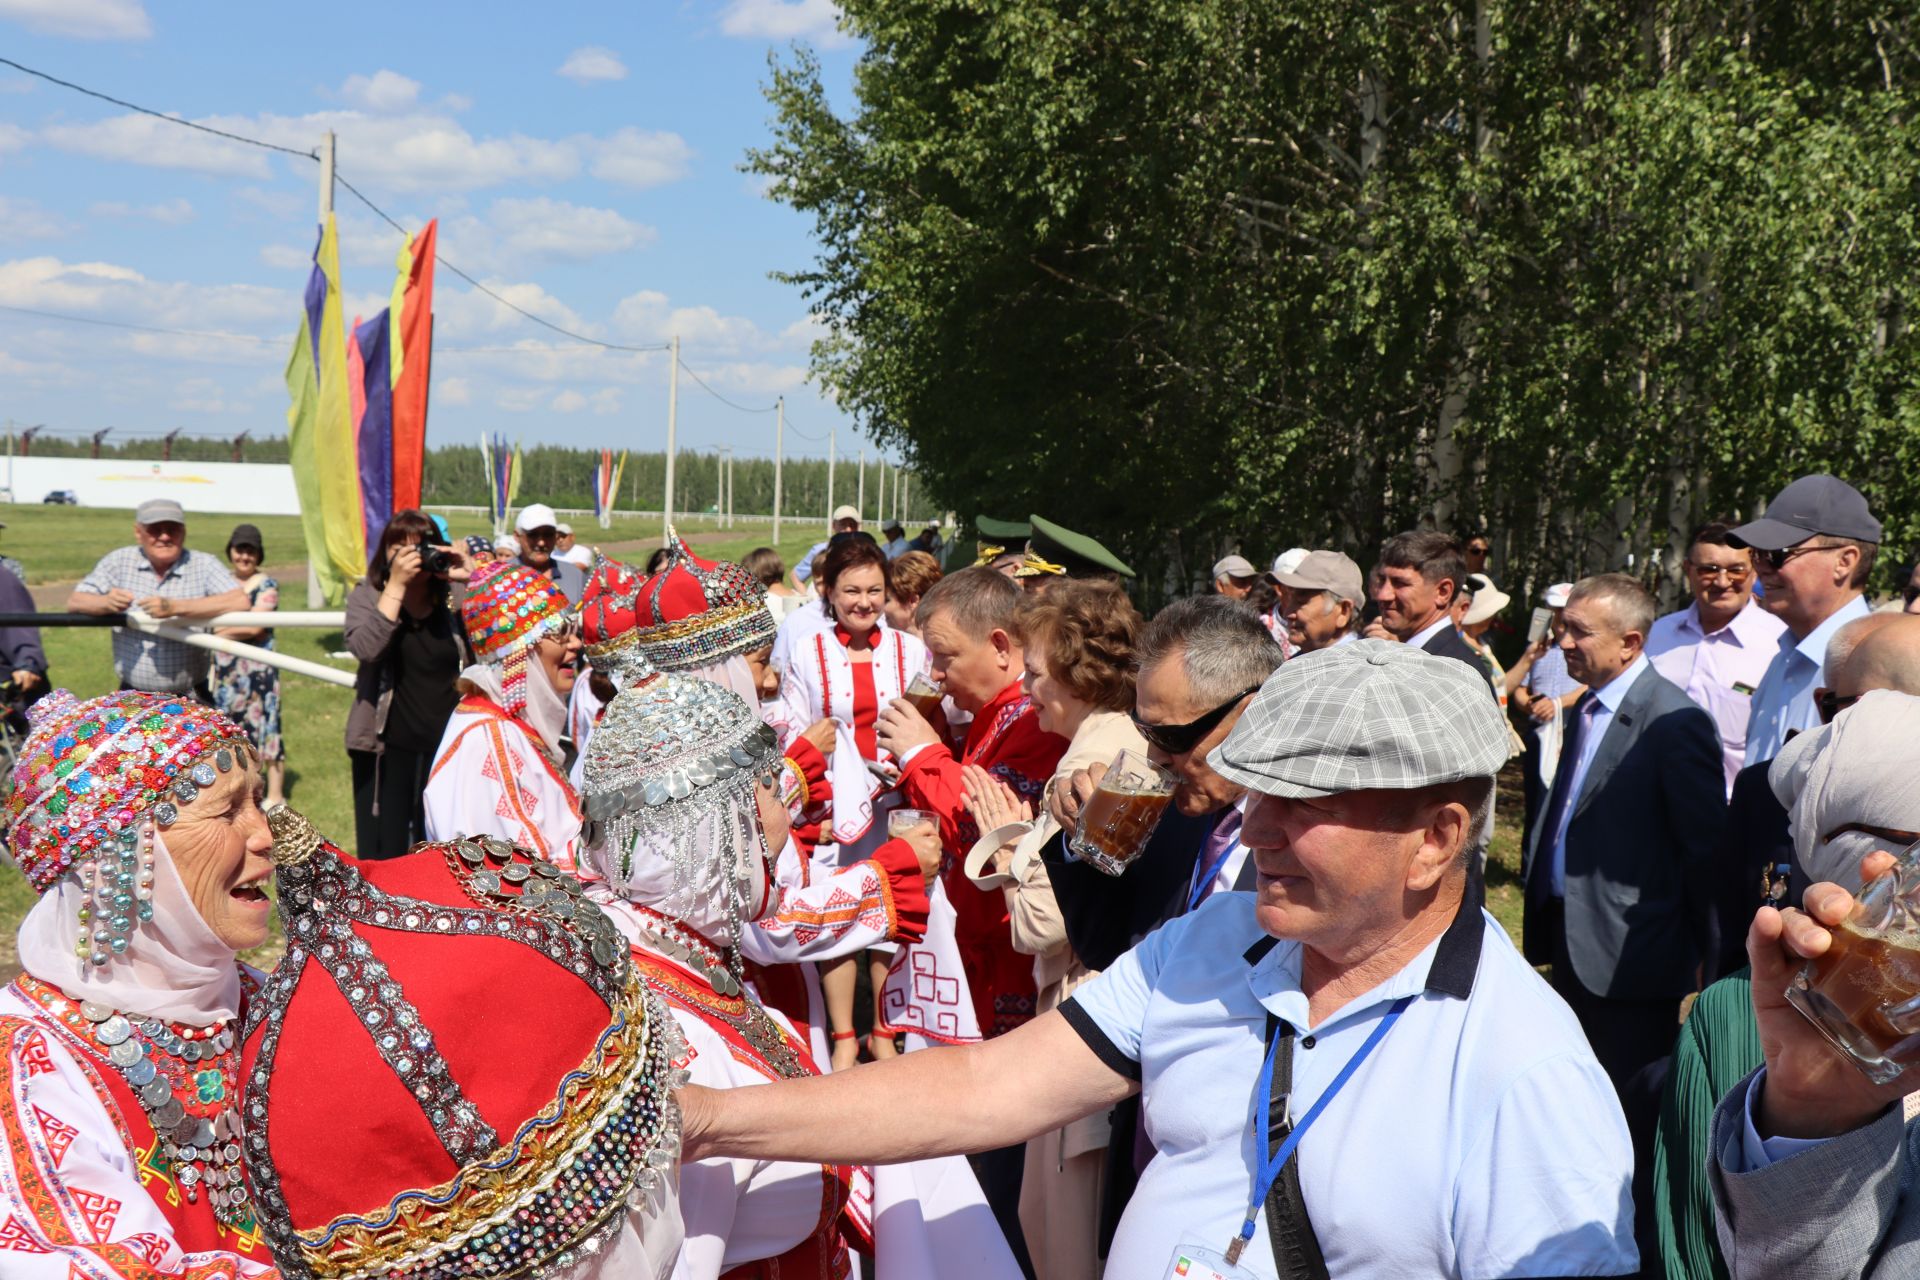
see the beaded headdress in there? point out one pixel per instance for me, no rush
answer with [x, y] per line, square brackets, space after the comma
[609, 617]
[507, 609]
[695, 612]
[668, 753]
[92, 780]
[476, 1082]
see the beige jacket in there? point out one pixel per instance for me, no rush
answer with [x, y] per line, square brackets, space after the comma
[1039, 930]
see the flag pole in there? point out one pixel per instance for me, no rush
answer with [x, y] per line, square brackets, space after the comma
[673, 412]
[316, 596]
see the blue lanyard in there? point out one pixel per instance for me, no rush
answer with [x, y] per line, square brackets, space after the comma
[1200, 885]
[1270, 1167]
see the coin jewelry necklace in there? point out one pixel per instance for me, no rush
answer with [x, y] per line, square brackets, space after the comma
[171, 1069]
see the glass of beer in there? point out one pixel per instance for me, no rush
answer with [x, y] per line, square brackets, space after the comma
[1864, 993]
[924, 694]
[1122, 812]
[901, 821]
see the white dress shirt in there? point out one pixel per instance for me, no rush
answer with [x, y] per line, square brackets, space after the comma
[1719, 669]
[1597, 707]
[1419, 639]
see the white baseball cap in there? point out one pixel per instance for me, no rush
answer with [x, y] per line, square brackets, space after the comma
[1557, 595]
[1233, 567]
[1288, 561]
[846, 513]
[537, 516]
[563, 528]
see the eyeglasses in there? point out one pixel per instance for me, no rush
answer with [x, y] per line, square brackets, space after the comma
[1892, 835]
[1178, 739]
[1715, 572]
[1775, 561]
[1832, 704]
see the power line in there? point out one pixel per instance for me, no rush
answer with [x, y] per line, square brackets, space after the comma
[543, 349]
[314, 155]
[158, 115]
[722, 399]
[577, 337]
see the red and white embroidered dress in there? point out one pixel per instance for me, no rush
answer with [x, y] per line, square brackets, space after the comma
[491, 777]
[823, 682]
[85, 1191]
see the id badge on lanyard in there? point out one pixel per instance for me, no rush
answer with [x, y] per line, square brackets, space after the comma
[1198, 1260]
[1193, 1261]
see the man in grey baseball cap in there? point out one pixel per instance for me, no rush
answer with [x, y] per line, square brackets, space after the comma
[1319, 599]
[1359, 1010]
[161, 577]
[1233, 577]
[1813, 550]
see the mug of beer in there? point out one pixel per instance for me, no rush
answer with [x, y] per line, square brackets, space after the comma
[1122, 812]
[901, 821]
[924, 694]
[1864, 993]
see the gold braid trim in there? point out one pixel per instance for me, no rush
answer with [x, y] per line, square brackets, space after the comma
[1032, 566]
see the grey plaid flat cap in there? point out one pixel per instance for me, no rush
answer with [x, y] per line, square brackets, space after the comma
[1371, 714]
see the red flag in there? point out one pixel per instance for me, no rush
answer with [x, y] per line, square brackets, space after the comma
[411, 351]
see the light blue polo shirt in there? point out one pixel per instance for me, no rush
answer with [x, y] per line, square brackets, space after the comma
[1480, 1139]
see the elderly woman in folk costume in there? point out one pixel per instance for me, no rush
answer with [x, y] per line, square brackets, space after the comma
[685, 816]
[455, 1071]
[498, 770]
[136, 816]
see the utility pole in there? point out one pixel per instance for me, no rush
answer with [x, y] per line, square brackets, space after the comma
[316, 597]
[861, 501]
[880, 497]
[99, 436]
[906, 491]
[779, 438]
[673, 413]
[830, 452]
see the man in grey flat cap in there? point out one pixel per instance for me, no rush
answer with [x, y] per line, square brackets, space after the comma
[1468, 1130]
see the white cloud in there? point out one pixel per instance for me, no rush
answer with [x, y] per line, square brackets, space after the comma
[86, 19]
[642, 158]
[281, 204]
[592, 62]
[804, 332]
[284, 257]
[115, 292]
[648, 316]
[604, 401]
[383, 92]
[138, 139]
[546, 229]
[784, 20]
[452, 391]
[462, 313]
[204, 395]
[170, 213]
[25, 220]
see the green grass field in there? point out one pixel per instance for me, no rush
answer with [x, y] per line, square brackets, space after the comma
[59, 544]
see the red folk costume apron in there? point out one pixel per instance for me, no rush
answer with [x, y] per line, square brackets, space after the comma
[195, 1228]
[761, 1044]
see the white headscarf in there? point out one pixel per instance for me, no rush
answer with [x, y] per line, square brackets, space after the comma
[175, 966]
[730, 673]
[1865, 768]
[546, 710]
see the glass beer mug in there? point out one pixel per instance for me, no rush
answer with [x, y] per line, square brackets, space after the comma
[1864, 993]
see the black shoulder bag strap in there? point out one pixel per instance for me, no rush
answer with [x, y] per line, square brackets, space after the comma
[1296, 1250]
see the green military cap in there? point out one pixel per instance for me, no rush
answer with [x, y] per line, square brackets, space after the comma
[992, 539]
[1062, 552]
[1005, 532]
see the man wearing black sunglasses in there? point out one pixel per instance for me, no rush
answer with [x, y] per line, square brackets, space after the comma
[1814, 551]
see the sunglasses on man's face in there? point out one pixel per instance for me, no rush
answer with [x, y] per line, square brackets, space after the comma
[1832, 704]
[1178, 739]
[1775, 561]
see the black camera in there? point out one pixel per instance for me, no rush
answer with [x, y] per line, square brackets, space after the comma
[437, 560]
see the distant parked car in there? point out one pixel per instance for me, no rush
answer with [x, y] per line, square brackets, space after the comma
[62, 498]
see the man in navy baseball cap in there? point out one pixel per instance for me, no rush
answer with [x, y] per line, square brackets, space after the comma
[1813, 550]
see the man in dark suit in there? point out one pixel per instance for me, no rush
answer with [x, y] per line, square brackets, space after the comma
[1617, 899]
[1419, 577]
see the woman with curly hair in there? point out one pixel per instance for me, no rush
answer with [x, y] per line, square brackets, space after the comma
[1078, 640]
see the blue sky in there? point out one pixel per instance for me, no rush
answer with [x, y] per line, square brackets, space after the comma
[583, 160]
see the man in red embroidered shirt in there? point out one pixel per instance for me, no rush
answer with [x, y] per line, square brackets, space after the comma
[967, 620]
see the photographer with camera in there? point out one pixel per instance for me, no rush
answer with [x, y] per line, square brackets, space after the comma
[411, 648]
